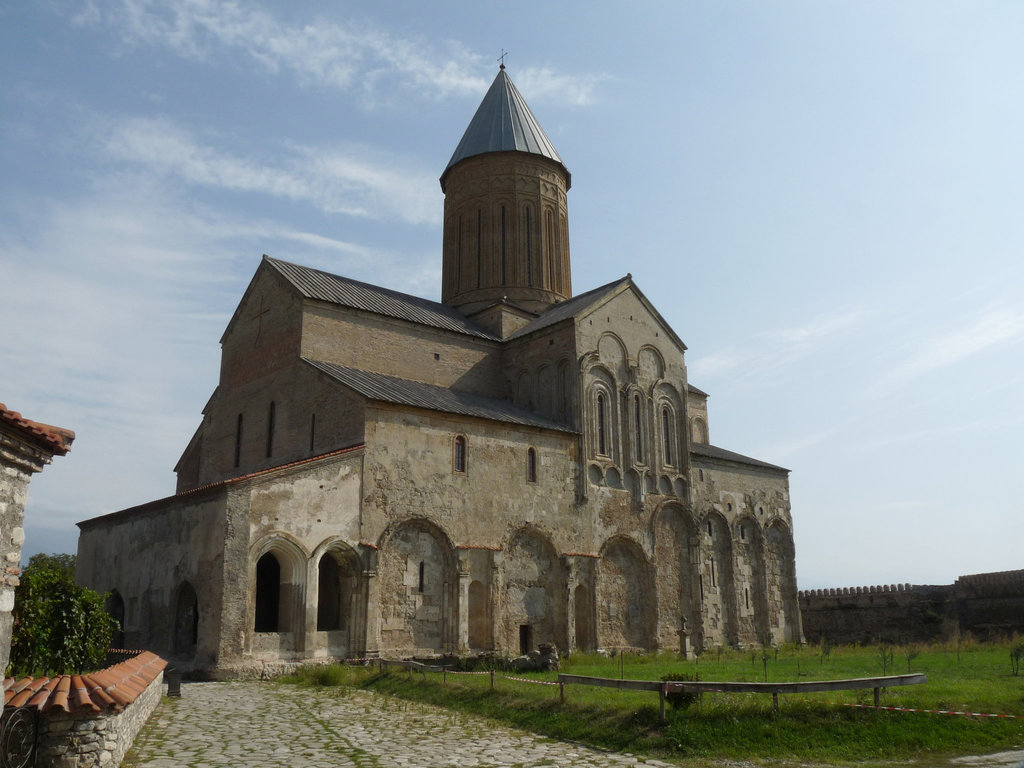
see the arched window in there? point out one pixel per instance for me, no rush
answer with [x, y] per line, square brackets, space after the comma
[423, 573]
[601, 442]
[531, 466]
[270, 429]
[238, 441]
[666, 428]
[115, 607]
[638, 434]
[460, 454]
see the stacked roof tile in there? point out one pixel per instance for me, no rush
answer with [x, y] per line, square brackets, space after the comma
[56, 439]
[110, 689]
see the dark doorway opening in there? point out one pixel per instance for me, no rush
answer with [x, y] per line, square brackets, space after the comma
[525, 639]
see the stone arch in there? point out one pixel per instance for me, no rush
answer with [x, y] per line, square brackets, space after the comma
[717, 582]
[186, 620]
[675, 550]
[534, 592]
[650, 365]
[780, 575]
[637, 426]
[564, 392]
[602, 414]
[418, 588]
[668, 423]
[545, 390]
[523, 395]
[277, 576]
[751, 600]
[115, 607]
[339, 581]
[698, 430]
[612, 353]
[625, 596]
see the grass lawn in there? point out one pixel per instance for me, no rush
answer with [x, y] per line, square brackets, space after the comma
[817, 727]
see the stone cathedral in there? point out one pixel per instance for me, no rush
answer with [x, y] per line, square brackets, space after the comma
[379, 474]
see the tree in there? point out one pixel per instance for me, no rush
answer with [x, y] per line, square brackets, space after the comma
[59, 626]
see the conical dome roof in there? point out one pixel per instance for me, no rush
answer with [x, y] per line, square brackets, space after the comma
[504, 123]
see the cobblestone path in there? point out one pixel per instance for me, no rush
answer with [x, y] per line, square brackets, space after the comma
[216, 725]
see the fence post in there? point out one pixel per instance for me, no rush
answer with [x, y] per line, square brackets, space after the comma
[492, 679]
[662, 693]
[876, 696]
[775, 701]
[444, 675]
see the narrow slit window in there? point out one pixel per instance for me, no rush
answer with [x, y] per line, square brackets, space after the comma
[238, 441]
[531, 466]
[460, 454]
[422, 572]
[638, 431]
[503, 245]
[601, 448]
[312, 431]
[270, 429]
[666, 429]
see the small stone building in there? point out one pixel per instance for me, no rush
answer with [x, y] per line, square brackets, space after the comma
[25, 448]
[378, 474]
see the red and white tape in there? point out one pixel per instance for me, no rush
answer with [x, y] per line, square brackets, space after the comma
[933, 711]
[525, 680]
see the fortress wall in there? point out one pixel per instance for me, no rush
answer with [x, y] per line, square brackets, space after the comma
[986, 605]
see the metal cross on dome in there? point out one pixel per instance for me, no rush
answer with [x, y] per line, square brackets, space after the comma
[501, 58]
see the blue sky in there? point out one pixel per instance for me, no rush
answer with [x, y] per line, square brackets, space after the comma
[823, 199]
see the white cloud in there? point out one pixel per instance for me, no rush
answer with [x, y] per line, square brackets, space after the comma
[993, 327]
[349, 55]
[771, 351]
[355, 182]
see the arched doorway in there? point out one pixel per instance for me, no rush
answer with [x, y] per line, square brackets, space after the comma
[186, 621]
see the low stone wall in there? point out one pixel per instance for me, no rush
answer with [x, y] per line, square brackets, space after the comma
[86, 740]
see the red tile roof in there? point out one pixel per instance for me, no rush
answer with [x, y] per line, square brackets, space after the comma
[56, 439]
[112, 688]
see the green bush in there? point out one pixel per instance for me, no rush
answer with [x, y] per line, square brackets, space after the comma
[59, 626]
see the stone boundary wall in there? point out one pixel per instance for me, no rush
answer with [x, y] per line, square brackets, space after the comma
[986, 605]
[84, 740]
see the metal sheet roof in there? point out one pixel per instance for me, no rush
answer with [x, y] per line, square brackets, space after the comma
[714, 452]
[567, 309]
[323, 286]
[391, 389]
[502, 123]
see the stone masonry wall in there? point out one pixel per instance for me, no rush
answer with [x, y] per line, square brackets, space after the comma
[77, 741]
[988, 605]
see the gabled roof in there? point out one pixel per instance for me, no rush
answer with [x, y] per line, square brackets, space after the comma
[569, 308]
[391, 389]
[504, 123]
[54, 439]
[334, 289]
[714, 452]
[588, 301]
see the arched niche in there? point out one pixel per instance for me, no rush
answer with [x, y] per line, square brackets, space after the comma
[534, 586]
[418, 589]
[625, 596]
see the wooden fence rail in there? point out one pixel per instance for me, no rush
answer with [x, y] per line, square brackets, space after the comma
[808, 686]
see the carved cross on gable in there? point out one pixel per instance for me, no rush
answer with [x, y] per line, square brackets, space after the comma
[258, 317]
